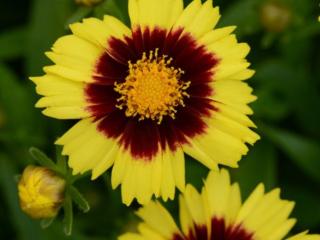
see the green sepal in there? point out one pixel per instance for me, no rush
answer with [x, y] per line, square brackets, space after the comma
[42, 158]
[17, 177]
[45, 223]
[68, 215]
[78, 198]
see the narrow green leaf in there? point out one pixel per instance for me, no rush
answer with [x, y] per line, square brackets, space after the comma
[45, 223]
[42, 158]
[303, 151]
[68, 215]
[78, 198]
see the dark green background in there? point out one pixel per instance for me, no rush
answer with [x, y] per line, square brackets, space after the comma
[287, 112]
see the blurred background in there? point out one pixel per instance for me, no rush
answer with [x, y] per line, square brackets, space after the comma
[284, 36]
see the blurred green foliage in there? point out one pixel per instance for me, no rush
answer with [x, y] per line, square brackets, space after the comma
[287, 112]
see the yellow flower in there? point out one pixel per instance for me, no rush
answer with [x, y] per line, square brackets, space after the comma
[88, 3]
[172, 84]
[218, 213]
[41, 192]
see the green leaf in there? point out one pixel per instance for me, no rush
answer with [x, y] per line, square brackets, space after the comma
[22, 120]
[45, 223]
[42, 158]
[302, 151]
[78, 198]
[14, 42]
[68, 215]
[47, 23]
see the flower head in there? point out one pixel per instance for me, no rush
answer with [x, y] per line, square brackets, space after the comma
[217, 213]
[172, 84]
[41, 192]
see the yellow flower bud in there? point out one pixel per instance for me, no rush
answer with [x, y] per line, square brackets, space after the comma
[275, 17]
[88, 3]
[41, 192]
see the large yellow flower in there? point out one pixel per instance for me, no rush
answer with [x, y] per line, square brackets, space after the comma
[145, 96]
[218, 214]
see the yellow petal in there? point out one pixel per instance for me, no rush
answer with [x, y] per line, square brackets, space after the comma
[305, 236]
[52, 85]
[195, 205]
[185, 217]
[159, 219]
[217, 187]
[99, 32]
[97, 146]
[234, 128]
[216, 35]
[140, 178]
[198, 19]
[131, 236]
[66, 112]
[168, 181]
[178, 168]
[154, 13]
[149, 233]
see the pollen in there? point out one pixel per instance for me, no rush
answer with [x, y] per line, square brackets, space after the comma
[153, 89]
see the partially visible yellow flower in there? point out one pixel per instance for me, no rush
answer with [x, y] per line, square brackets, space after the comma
[41, 192]
[305, 236]
[218, 213]
[88, 3]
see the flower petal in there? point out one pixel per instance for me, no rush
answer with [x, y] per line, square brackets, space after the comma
[154, 13]
[198, 18]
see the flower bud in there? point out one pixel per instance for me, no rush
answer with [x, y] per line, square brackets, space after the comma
[41, 192]
[88, 3]
[274, 16]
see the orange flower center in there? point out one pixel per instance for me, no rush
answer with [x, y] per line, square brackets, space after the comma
[152, 89]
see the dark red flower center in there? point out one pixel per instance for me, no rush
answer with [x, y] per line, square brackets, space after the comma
[219, 231]
[144, 128]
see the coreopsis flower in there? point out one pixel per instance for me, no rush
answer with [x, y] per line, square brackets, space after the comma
[41, 192]
[145, 96]
[217, 213]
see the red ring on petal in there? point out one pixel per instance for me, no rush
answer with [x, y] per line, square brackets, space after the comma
[219, 231]
[145, 138]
